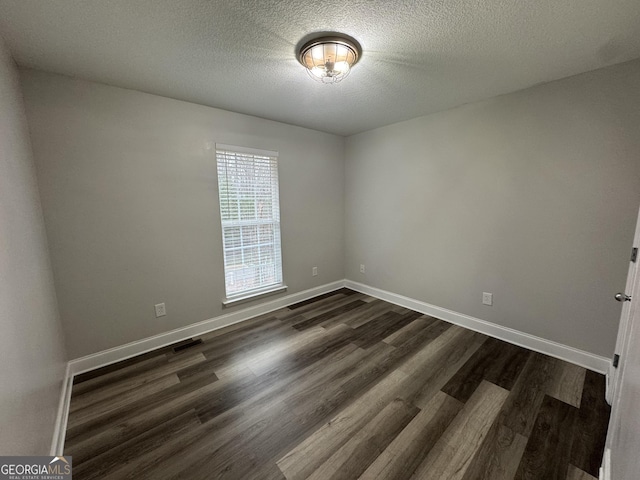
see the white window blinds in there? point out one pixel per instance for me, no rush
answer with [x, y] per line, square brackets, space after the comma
[250, 213]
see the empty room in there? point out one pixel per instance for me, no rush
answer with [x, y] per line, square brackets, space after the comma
[326, 240]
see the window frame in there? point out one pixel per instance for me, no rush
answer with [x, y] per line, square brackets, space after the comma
[222, 151]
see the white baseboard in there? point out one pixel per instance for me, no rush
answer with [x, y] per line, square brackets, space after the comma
[123, 352]
[605, 469]
[548, 347]
[608, 390]
[60, 430]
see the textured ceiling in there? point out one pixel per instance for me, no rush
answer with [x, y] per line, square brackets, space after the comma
[419, 56]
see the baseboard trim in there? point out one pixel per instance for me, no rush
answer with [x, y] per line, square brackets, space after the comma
[608, 385]
[605, 469]
[123, 352]
[573, 355]
[532, 342]
[60, 429]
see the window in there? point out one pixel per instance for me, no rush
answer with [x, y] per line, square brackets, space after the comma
[250, 213]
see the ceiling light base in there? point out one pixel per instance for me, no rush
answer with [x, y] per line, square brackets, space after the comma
[330, 57]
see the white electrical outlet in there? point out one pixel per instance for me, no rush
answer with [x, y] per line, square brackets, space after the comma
[487, 298]
[161, 310]
[361, 268]
[314, 271]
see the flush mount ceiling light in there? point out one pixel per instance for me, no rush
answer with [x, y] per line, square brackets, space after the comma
[329, 58]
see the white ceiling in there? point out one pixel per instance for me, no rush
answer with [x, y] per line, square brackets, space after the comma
[419, 56]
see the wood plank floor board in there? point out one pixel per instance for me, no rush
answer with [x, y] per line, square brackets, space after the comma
[360, 316]
[435, 365]
[364, 447]
[316, 303]
[341, 386]
[496, 361]
[315, 350]
[138, 368]
[121, 365]
[317, 448]
[331, 295]
[547, 454]
[323, 306]
[95, 437]
[445, 341]
[426, 374]
[499, 455]
[411, 387]
[250, 354]
[164, 399]
[114, 402]
[508, 366]
[323, 377]
[314, 341]
[312, 320]
[232, 426]
[365, 367]
[112, 460]
[591, 425]
[521, 409]
[231, 370]
[422, 337]
[326, 375]
[400, 309]
[264, 442]
[161, 399]
[575, 473]
[238, 342]
[133, 384]
[344, 387]
[237, 329]
[451, 456]
[567, 384]
[272, 355]
[257, 332]
[408, 331]
[401, 458]
[233, 351]
[381, 327]
[213, 404]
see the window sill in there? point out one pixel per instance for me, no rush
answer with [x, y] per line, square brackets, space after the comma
[229, 302]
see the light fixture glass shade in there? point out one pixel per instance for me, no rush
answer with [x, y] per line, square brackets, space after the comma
[329, 59]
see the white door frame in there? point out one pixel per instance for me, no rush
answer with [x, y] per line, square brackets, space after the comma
[625, 323]
[628, 329]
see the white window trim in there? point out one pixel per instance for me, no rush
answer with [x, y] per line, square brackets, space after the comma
[270, 289]
[253, 295]
[248, 151]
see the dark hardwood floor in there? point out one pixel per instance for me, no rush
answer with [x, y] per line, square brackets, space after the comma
[342, 386]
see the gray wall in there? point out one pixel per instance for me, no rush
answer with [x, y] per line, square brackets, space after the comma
[33, 358]
[129, 192]
[532, 196]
